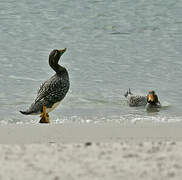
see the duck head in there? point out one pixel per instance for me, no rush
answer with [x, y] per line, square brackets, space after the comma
[152, 98]
[54, 57]
[153, 103]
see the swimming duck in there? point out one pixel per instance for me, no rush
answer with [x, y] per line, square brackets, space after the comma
[152, 101]
[52, 91]
[135, 100]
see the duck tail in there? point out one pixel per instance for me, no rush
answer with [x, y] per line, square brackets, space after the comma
[25, 112]
[32, 110]
[128, 93]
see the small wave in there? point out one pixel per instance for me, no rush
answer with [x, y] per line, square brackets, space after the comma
[117, 119]
[23, 78]
[120, 33]
[165, 104]
[96, 101]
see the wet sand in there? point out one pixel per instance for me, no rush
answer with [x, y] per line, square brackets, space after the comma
[91, 151]
[80, 133]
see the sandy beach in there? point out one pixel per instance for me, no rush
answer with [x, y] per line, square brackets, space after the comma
[81, 133]
[91, 151]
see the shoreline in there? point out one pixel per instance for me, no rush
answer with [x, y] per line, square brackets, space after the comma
[80, 133]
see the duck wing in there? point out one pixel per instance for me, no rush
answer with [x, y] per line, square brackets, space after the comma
[137, 100]
[52, 90]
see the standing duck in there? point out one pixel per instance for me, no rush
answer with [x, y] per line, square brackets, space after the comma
[52, 91]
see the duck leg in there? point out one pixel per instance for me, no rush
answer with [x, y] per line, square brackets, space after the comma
[44, 116]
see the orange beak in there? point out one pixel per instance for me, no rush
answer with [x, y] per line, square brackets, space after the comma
[150, 97]
[62, 50]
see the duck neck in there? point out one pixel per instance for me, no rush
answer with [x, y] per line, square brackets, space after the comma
[56, 67]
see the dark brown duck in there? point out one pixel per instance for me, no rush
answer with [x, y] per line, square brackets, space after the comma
[52, 91]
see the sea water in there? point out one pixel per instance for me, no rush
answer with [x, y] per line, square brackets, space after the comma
[112, 45]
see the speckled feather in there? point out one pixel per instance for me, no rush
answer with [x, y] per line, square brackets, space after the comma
[136, 100]
[52, 91]
[56, 87]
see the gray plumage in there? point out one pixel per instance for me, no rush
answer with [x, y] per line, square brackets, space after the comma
[150, 101]
[53, 90]
[135, 100]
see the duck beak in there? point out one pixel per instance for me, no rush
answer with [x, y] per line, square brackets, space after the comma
[62, 50]
[150, 97]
